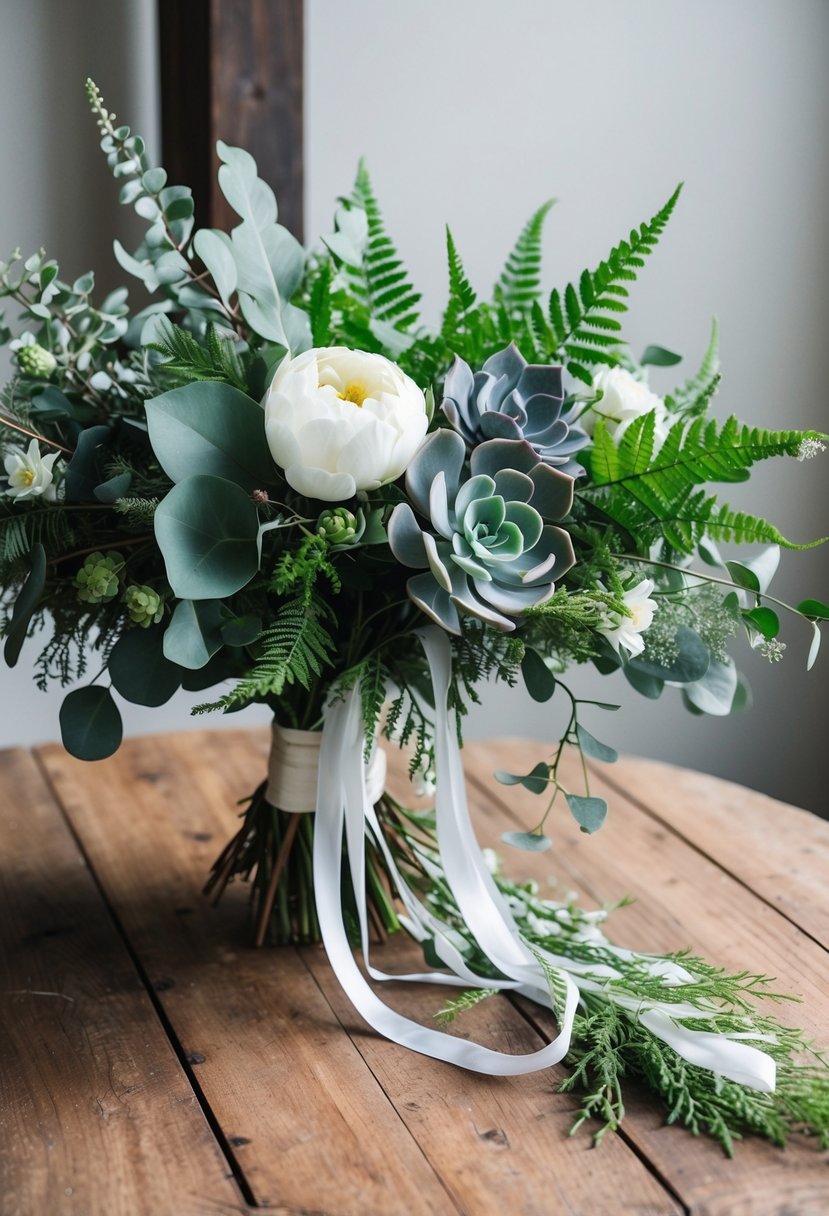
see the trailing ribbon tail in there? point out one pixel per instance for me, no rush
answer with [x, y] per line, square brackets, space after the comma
[345, 805]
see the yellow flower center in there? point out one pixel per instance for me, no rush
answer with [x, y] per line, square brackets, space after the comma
[354, 393]
[25, 477]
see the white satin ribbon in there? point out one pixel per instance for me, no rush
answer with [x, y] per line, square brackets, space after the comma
[345, 804]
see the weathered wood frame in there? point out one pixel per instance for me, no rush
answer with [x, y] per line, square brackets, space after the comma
[233, 70]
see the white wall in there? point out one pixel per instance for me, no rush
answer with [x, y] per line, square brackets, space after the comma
[474, 112]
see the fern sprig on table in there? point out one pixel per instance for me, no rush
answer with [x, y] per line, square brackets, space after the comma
[610, 1047]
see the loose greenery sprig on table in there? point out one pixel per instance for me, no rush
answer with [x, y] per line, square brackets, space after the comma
[266, 481]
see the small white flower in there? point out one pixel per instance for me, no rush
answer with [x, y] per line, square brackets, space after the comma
[339, 420]
[771, 649]
[810, 448]
[30, 475]
[624, 398]
[626, 631]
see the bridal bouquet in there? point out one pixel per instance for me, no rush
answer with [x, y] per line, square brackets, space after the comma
[274, 482]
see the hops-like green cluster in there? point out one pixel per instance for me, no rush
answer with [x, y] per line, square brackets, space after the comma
[145, 606]
[35, 360]
[99, 578]
[339, 526]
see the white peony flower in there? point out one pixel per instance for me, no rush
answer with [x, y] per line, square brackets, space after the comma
[627, 630]
[30, 474]
[623, 399]
[339, 420]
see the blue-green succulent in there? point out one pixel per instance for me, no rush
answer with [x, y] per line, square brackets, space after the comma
[512, 399]
[486, 549]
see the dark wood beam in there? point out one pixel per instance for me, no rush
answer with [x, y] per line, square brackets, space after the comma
[233, 70]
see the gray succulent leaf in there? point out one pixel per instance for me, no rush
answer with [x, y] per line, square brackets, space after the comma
[487, 548]
[512, 399]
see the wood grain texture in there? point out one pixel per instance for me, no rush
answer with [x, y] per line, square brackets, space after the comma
[308, 1124]
[500, 1144]
[320, 1115]
[682, 900]
[233, 70]
[96, 1113]
[778, 851]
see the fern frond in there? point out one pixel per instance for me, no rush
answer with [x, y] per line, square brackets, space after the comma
[582, 318]
[638, 490]
[48, 526]
[520, 281]
[188, 360]
[462, 296]
[295, 649]
[691, 398]
[390, 296]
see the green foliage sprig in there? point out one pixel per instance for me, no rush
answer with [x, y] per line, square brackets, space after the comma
[652, 495]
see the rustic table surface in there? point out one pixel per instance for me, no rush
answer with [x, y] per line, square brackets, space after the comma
[152, 1062]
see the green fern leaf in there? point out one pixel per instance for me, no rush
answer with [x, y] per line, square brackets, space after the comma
[584, 331]
[186, 359]
[389, 294]
[462, 296]
[692, 397]
[520, 281]
[295, 649]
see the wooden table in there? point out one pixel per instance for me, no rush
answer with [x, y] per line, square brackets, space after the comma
[152, 1062]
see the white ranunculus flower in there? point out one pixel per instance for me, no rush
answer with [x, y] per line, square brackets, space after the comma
[339, 420]
[30, 474]
[627, 630]
[623, 399]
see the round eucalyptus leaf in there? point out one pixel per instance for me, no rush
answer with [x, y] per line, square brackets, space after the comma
[210, 428]
[90, 724]
[714, 693]
[647, 686]
[241, 630]
[530, 842]
[540, 681]
[658, 356]
[594, 748]
[207, 530]
[690, 664]
[194, 634]
[589, 813]
[139, 670]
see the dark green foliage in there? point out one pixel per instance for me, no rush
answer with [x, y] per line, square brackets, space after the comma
[654, 496]
[295, 649]
[388, 293]
[188, 359]
[520, 282]
[320, 308]
[582, 328]
[694, 396]
[20, 529]
[462, 296]
[298, 571]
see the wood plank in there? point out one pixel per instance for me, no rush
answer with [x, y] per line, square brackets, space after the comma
[233, 70]
[682, 899]
[779, 851]
[97, 1115]
[310, 1127]
[500, 1144]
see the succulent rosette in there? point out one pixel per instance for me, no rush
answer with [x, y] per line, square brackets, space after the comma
[512, 399]
[487, 550]
[340, 420]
